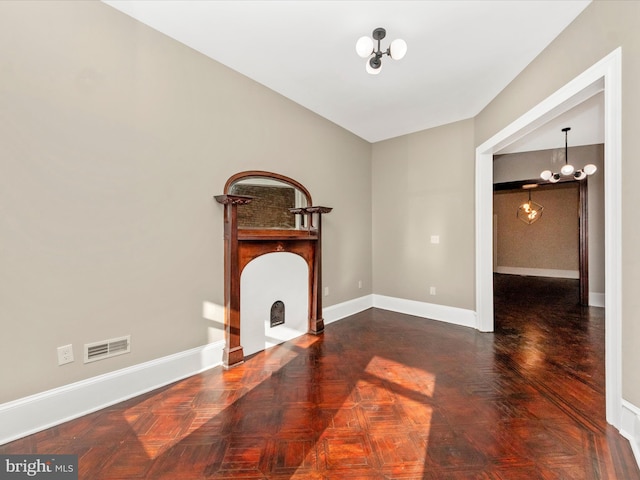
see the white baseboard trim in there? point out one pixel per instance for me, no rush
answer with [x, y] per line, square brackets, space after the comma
[443, 313]
[596, 299]
[630, 427]
[539, 272]
[344, 309]
[32, 414]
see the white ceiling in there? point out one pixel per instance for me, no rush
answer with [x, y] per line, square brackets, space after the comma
[586, 121]
[461, 54]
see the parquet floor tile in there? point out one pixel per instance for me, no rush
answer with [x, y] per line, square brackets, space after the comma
[379, 396]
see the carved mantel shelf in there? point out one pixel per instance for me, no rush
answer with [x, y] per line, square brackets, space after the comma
[242, 244]
[234, 199]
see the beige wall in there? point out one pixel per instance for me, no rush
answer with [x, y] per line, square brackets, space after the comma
[601, 28]
[423, 185]
[113, 140]
[550, 243]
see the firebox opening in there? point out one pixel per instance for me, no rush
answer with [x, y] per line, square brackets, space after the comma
[277, 313]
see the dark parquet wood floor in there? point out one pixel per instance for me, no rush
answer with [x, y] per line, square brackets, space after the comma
[380, 395]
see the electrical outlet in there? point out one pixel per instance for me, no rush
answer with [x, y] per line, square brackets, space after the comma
[432, 290]
[65, 354]
[326, 291]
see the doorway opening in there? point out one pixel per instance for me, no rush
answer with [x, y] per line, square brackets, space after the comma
[603, 76]
[556, 244]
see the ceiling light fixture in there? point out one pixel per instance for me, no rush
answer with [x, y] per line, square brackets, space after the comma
[529, 211]
[567, 169]
[365, 48]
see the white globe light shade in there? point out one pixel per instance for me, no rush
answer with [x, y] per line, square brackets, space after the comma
[371, 70]
[554, 178]
[364, 47]
[546, 175]
[398, 49]
[580, 174]
[567, 169]
[590, 169]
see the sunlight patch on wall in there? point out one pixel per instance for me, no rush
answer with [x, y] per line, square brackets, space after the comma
[215, 314]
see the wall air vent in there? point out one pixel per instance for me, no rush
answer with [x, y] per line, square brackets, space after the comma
[107, 348]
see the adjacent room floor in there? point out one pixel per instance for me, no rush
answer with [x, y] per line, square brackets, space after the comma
[380, 395]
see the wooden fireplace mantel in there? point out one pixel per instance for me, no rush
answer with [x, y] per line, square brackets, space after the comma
[242, 245]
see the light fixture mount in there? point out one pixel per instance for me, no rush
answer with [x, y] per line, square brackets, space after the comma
[378, 34]
[365, 48]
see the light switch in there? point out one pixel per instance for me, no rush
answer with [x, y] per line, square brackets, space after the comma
[435, 238]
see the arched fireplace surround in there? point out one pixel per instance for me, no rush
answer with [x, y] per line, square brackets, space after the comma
[279, 221]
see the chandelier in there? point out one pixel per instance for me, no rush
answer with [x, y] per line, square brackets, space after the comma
[567, 169]
[529, 211]
[365, 48]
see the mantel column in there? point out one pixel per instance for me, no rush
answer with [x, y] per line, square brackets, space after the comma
[233, 353]
[316, 322]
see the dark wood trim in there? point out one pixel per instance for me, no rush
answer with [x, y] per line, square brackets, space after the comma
[232, 353]
[517, 184]
[260, 173]
[583, 242]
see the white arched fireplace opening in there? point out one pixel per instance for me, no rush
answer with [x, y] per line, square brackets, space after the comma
[273, 277]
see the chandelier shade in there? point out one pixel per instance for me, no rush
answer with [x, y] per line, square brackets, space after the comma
[398, 49]
[364, 47]
[567, 170]
[372, 70]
